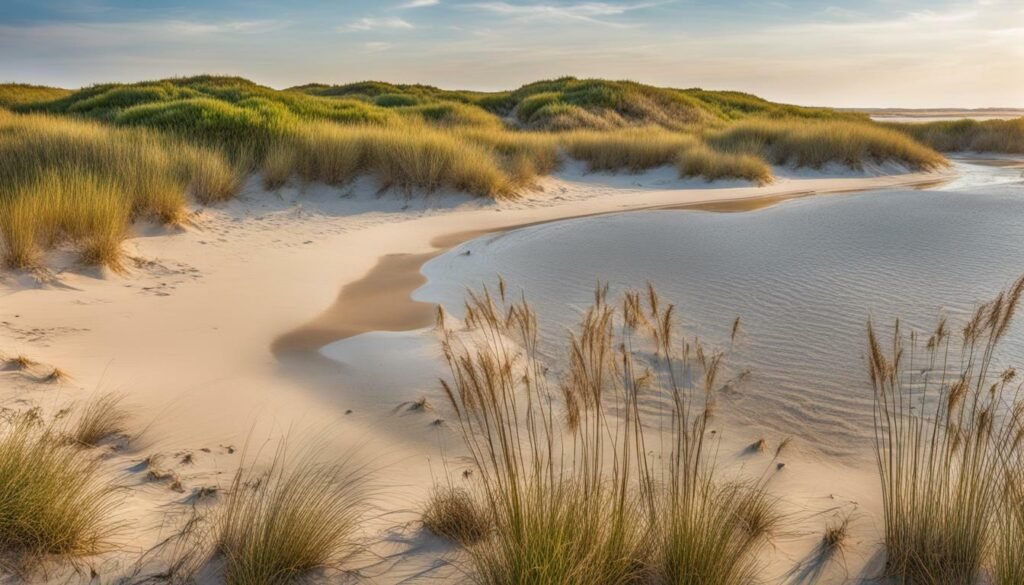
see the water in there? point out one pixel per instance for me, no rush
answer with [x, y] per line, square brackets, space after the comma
[803, 276]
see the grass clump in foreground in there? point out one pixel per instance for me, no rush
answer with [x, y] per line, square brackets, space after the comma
[298, 516]
[455, 514]
[103, 417]
[54, 499]
[948, 432]
[1008, 550]
[583, 495]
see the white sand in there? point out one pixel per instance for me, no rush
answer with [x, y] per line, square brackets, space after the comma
[187, 337]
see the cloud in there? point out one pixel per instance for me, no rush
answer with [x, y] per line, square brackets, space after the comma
[76, 35]
[581, 11]
[370, 23]
[201, 28]
[377, 46]
[420, 3]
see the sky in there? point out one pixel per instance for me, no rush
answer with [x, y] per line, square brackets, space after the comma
[843, 53]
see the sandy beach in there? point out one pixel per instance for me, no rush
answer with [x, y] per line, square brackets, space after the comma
[214, 337]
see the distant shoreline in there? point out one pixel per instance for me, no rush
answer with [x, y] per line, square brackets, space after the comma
[936, 114]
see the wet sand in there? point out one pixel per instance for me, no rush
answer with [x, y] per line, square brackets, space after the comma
[382, 299]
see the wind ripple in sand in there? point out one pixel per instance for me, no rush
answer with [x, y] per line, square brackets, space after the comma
[803, 276]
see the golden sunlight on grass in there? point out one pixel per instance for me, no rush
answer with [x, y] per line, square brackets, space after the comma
[947, 443]
[570, 504]
[296, 516]
[54, 499]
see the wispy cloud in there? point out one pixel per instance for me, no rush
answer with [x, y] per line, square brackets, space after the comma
[378, 46]
[420, 3]
[83, 34]
[370, 23]
[596, 12]
[203, 28]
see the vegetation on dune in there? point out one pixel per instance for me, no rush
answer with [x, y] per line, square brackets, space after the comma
[634, 149]
[82, 183]
[712, 165]
[638, 149]
[574, 492]
[18, 94]
[1008, 550]
[968, 135]
[300, 515]
[53, 498]
[102, 418]
[816, 143]
[108, 155]
[413, 157]
[948, 437]
[456, 514]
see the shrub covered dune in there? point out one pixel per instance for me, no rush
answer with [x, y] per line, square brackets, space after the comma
[77, 167]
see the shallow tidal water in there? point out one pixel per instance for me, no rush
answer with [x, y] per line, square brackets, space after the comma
[804, 276]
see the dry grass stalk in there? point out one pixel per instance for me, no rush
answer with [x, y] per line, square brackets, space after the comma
[455, 514]
[944, 430]
[576, 493]
[21, 362]
[102, 418]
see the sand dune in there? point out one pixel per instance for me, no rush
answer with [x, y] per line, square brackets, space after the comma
[215, 337]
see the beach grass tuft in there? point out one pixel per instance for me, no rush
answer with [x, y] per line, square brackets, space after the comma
[566, 470]
[54, 498]
[102, 418]
[298, 515]
[454, 513]
[945, 426]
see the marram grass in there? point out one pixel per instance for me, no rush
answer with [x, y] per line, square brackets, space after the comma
[299, 515]
[815, 143]
[152, 146]
[82, 184]
[54, 497]
[576, 490]
[948, 433]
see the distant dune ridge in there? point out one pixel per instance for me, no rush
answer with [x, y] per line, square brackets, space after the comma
[136, 150]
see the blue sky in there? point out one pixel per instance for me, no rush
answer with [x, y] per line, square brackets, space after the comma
[967, 53]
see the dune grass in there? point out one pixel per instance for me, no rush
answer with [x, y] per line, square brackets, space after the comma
[639, 149]
[1007, 565]
[456, 514]
[814, 143]
[83, 184]
[103, 417]
[968, 135]
[634, 149]
[412, 157]
[570, 473]
[54, 498]
[300, 515]
[945, 427]
[712, 165]
[21, 94]
[109, 155]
